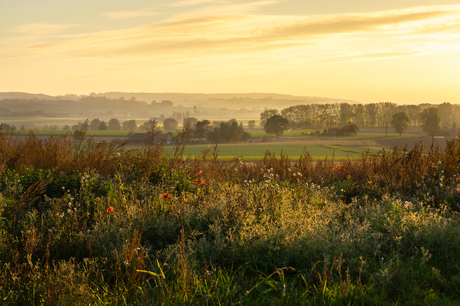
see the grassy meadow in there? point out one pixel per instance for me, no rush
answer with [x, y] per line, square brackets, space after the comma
[83, 222]
[257, 152]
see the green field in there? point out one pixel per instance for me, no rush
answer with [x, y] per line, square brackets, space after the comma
[257, 152]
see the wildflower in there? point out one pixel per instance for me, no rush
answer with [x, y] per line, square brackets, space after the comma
[110, 209]
[198, 181]
[166, 196]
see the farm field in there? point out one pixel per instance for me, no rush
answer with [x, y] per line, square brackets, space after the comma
[135, 227]
[257, 152]
[292, 145]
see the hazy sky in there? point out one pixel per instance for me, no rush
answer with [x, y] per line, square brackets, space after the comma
[404, 51]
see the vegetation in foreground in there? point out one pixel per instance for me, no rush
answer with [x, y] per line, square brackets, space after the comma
[85, 222]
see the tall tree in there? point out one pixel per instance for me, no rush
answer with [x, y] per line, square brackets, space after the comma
[400, 122]
[94, 125]
[201, 129]
[103, 126]
[170, 124]
[276, 125]
[267, 114]
[130, 125]
[228, 132]
[430, 120]
[114, 124]
[446, 114]
[414, 114]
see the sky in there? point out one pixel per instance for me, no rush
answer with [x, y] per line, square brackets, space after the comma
[403, 51]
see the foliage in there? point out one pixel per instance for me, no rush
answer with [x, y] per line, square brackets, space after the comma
[349, 129]
[114, 124]
[267, 114]
[430, 120]
[170, 124]
[276, 125]
[228, 132]
[94, 124]
[129, 125]
[137, 227]
[400, 122]
[201, 129]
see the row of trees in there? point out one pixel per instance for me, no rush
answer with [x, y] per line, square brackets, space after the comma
[112, 124]
[321, 116]
[430, 122]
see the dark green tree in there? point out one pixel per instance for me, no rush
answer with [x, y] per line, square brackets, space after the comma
[130, 125]
[400, 122]
[170, 124]
[190, 121]
[201, 129]
[103, 126]
[276, 125]
[349, 129]
[430, 120]
[94, 124]
[227, 132]
[114, 124]
[267, 114]
[251, 124]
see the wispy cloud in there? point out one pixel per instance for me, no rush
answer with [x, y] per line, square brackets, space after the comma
[40, 29]
[303, 40]
[128, 14]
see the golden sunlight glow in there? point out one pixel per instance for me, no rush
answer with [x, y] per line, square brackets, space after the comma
[397, 55]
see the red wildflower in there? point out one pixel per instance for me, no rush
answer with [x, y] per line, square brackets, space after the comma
[166, 196]
[455, 190]
[205, 184]
[110, 209]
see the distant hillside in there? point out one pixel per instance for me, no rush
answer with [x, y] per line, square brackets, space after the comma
[248, 101]
[24, 95]
[227, 100]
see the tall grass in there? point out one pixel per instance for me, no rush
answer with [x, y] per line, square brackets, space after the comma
[85, 222]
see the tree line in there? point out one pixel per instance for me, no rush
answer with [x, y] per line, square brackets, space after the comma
[330, 116]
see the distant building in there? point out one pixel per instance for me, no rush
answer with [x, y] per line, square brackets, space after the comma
[143, 137]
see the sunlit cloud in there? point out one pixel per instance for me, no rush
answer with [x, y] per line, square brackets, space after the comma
[259, 41]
